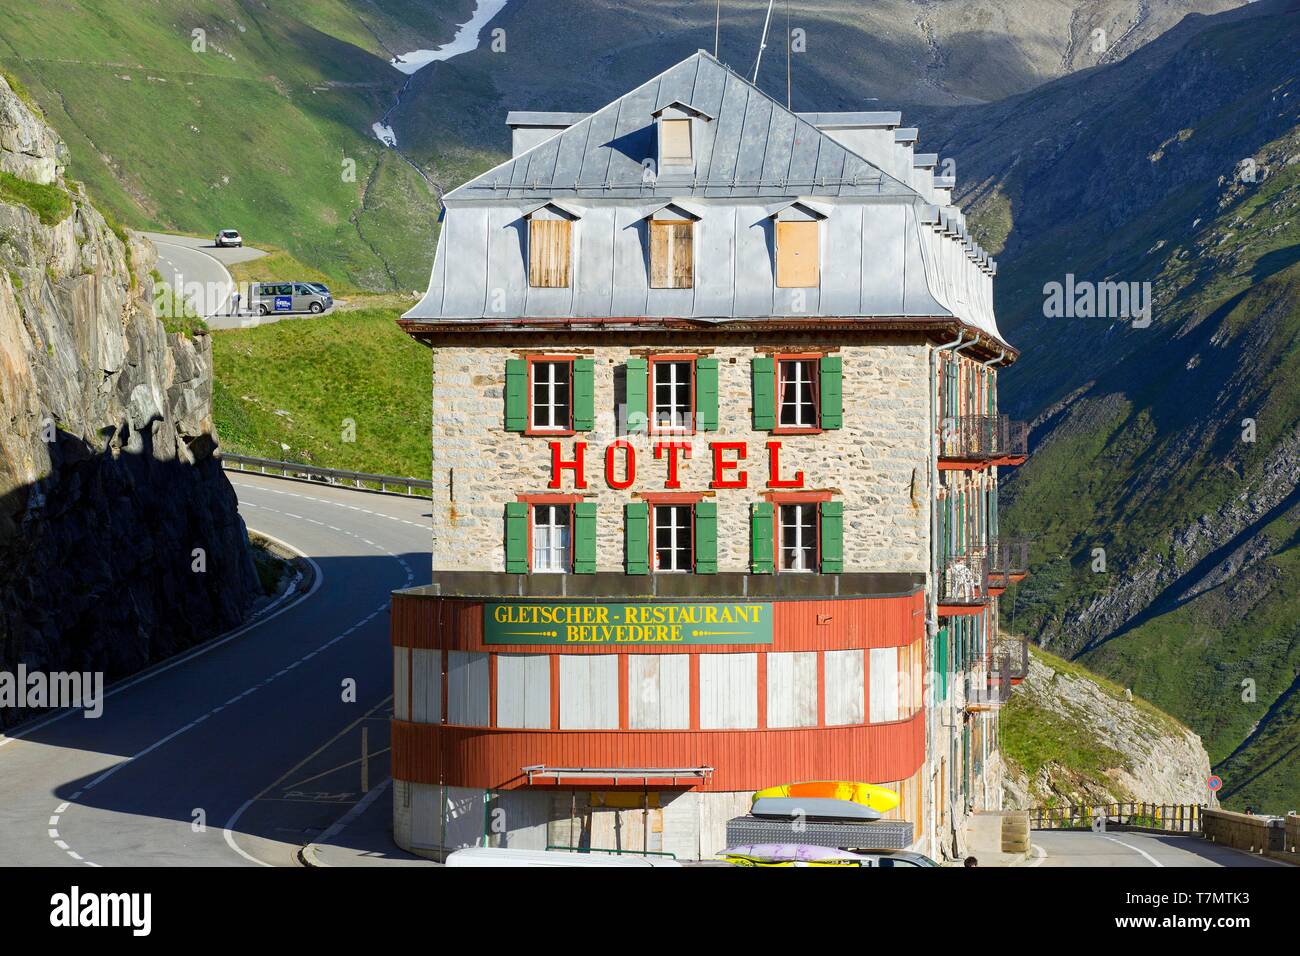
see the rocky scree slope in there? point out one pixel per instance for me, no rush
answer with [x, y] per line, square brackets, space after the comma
[1071, 738]
[108, 480]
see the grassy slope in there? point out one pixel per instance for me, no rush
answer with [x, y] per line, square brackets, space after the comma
[252, 133]
[319, 372]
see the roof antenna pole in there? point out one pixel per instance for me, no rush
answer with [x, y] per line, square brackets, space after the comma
[788, 56]
[717, 29]
[763, 43]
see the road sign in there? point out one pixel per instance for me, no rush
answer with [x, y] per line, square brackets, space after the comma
[1215, 783]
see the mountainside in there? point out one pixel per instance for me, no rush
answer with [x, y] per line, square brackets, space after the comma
[260, 114]
[110, 497]
[1071, 737]
[579, 54]
[1162, 486]
[259, 121]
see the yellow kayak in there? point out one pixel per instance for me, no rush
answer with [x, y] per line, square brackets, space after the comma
[867, 794]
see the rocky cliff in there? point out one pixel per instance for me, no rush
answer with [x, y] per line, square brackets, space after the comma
[1071, 738]
[120, 538]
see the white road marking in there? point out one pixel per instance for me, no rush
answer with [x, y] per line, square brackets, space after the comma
[319, 577]
[1153, 861]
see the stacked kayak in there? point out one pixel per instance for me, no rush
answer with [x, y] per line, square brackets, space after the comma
[813, 808]
[788, 854]
[823, 813]
[870, 795]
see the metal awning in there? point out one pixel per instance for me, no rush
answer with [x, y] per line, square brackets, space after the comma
[542, 773]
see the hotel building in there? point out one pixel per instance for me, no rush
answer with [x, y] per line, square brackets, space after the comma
[715, 457]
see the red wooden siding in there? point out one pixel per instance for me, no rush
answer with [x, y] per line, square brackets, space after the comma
[836, 624]
[742, 760]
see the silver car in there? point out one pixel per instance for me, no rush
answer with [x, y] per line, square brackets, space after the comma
[228, 237]
[266, 298]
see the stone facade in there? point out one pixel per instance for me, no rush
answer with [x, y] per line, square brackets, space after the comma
[877, 464]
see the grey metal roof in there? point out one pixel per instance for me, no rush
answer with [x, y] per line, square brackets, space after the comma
[884, 119]
[755, 148]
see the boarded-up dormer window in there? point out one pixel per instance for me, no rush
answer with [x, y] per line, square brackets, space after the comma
[672, 261]
[675, 142]
[549, 244]
[797, 255]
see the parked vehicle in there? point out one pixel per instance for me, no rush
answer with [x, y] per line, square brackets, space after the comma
[903, 858]
[229, 237]
[284, 297]
[485, 856]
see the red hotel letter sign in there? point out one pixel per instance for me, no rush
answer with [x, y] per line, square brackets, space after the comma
[577, 466]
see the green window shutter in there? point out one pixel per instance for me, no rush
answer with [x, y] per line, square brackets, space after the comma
[637, 409]
[706, 395]
[832, 540]
[584, 537]
[516, 395]
[941, 662]
[760, 537]
[764, 373]
[832, 391]
[516, 537]
[706, 537]
[584, 395]
[637, 537]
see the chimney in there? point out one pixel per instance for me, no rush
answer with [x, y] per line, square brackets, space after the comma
[528, 129]
[870, 135]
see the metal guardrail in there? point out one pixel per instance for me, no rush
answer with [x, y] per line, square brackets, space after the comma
[1172, 818]
[415, 487]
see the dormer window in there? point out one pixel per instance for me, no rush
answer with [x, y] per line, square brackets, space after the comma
[675, 147]
[550, 246]
[672, 247]
[798, 244]
[678, 124]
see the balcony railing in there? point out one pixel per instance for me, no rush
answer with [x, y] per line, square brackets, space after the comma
[963, 577]
[983, 438]
[1013, 653]
[1008, 561]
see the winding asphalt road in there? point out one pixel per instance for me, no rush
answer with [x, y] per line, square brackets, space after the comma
[199, 268]
[1133, 848]
[241, 751]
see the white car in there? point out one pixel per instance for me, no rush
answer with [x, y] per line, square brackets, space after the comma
[229, 237]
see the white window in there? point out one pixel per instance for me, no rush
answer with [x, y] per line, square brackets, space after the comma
[728, 691]
[551, 390]
[884, 684]
[798, 393]
[467, 688]
[589, 691]
[799, 537]
[672, 391]
[792, 689]
[552, 539]
[659, 691]
[524, 690]
[674, 546]
[844, 687]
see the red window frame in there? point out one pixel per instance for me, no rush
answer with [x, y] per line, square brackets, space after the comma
[551, 432]
[815, 358]
[796, 498]
[654, 427]
[654, 500]
[570, 501]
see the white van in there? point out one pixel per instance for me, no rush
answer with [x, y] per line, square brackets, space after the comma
[504, 856]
